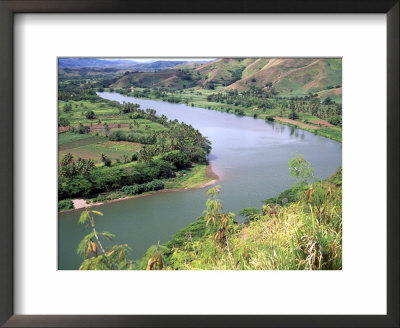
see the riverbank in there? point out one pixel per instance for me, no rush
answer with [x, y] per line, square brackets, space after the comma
[277, 237]
[198, 177]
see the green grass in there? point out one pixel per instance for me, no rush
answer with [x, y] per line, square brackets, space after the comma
[113, 150]
[334, 133]
[67, 137]
[92, 145]
[80, 142]
[187, 179]
[304, 234]
[325, 93]
[289, 88]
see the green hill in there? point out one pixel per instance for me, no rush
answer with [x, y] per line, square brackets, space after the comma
[286, 76]
[293, 76]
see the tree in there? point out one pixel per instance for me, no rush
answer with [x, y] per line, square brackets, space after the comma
[90, 115]
[213, 213]
[67, 108]
[105, 160]
[300, 169]
[70, 168]
[92, 250]
[63, 122]
[106, 129]
[146, 154]
[293, 115]
[327, 101]
[83, 129]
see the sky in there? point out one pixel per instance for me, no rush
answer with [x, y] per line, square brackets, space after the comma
[149, 60]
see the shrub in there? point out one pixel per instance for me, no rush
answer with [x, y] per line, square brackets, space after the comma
[293, 115]
[165, 169]
[141, 188]
[65, 204]
[67, 108]
[83, 129]
[335, 120]
[178, 159]
[239, 112]
[251, 213]
[117, 135]
[73, 187]
[90, 115]
[134, 156]
[63, 122]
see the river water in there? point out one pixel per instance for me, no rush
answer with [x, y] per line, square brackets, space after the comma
[249, 155]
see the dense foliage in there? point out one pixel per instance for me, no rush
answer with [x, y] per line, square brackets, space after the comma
[141, 188]
[266, 101]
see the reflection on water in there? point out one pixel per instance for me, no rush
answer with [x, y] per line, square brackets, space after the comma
[249, 155]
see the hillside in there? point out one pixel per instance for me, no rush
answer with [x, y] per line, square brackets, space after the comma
[286, 76]
[224, 71]
[294, 76]
[301, 229]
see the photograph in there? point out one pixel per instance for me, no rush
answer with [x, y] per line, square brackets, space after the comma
[199, 163]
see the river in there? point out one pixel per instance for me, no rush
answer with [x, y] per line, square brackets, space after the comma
[249, 155]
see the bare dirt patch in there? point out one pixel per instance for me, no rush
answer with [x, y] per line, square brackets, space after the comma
[210, 173]
[321, 122]
[336, 92]
[63, 128]
[79, 203]
[111, 126]
[299, 124]
[118, 143]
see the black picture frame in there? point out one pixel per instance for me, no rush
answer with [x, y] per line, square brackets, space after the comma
[10, 7]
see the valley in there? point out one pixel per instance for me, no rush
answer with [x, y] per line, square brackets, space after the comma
[170, 131]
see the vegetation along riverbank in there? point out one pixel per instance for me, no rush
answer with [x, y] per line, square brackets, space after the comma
[301, 229]
[109, 151]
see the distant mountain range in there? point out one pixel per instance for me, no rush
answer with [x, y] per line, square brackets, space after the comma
[93, 62]
[288, 76]
[151, 66]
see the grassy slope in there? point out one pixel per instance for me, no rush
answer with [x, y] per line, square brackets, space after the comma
[292, 76]
[304, 234]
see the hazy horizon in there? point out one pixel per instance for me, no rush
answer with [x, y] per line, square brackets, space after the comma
[153, 59]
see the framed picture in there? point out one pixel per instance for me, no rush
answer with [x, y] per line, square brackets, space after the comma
[94, 96]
